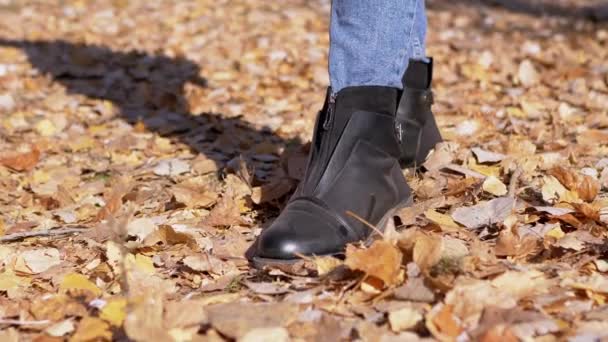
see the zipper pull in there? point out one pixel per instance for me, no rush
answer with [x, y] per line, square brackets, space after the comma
[330, 112]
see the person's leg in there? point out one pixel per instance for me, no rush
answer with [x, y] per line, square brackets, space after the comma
[376, 116]
[371, 41]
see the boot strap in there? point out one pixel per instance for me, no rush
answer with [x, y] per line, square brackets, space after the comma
[412, 114]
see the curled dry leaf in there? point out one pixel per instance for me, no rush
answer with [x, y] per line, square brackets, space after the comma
[21, 161]
[585, 186]
[381, 260]
[484, 156]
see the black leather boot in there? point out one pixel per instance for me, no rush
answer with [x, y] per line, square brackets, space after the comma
[353, 166]
[416, 127]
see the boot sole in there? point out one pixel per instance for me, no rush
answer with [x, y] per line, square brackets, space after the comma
[261, 263]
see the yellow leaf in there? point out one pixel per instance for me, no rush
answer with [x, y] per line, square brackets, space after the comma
[9, 281]
[486, 170]
[444, 221]
[326, 264]
[556, 232]
[46, 128]
[92, 328]
[494, 186]
[140, 262]
[114, 312]
[77, 281]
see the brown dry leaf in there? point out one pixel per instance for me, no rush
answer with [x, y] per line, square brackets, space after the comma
[225, 213]
[209, 263]
[21, 161]
[194, 197]
[381, 260]
[271, 191]
[442, 323]
[235, 320]
[506, 244]
[166, 235]
[185, 314]
[144, 321]
[427, 251]
[91, 328]
[585, 186]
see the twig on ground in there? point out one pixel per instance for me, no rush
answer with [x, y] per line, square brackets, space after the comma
[20, 322]
[40, 233]
[515, 181]
[348, 212]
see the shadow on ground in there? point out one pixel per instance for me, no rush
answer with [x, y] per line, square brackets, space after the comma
[147, 88]
[597, 11]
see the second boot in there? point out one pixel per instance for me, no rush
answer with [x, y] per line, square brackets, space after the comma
[415, 124]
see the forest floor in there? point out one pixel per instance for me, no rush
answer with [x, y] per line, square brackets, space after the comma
[145, 144]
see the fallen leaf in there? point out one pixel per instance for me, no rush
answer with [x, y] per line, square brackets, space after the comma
[484, 213]
[193, 197]
[141, 228]
[527, 74]
[277, 334]
[484, 156]
[403, 319]
[427, 251]
[37, 260]
[91, 328]
[271, 191]
[494, 186]
[114, 312]
[21, 161]
[326, 264]
[171, 167]
[235, 320]
[77, 281]
[381, 260]
[60, 328]
[444, 221]
[442, 324]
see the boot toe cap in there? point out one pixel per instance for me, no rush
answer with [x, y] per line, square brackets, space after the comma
[301, 232]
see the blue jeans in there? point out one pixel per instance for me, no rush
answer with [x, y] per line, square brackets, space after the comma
[371, 41]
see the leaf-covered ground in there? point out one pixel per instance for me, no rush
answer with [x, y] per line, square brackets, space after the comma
[145, 144]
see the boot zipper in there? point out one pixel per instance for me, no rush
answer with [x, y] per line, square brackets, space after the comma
[324, 151]
[330, 112]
